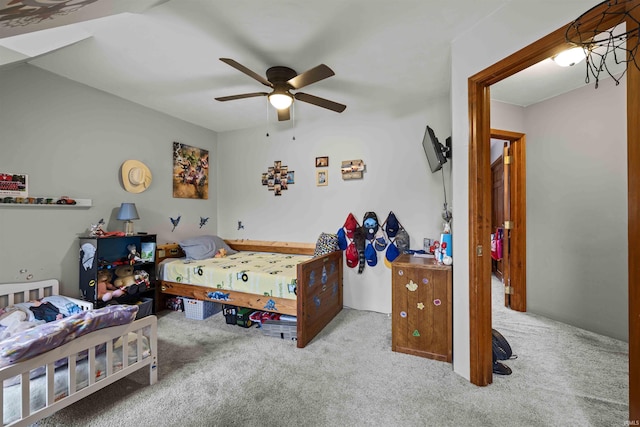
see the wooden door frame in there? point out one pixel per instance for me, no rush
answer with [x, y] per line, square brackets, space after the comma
[518, 191]
[480, 201]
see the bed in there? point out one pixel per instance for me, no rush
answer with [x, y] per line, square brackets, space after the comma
[313, 295]
[36, 386]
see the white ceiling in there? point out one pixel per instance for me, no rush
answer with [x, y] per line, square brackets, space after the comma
[165, 54]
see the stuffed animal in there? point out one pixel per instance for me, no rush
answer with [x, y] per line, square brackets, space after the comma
[125, 279]
[134, 255]
[106, 289]
[221, 253]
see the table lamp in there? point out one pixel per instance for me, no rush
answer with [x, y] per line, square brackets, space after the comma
[128, 213]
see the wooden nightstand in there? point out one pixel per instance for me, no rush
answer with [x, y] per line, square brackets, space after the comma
[421, 308]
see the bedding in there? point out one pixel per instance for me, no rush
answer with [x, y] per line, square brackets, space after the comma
[44, 337]
[307, 287]
[22, 316]
[260, 273]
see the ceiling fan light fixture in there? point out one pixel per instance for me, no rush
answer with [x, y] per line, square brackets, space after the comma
[569, 57]
[281, 100]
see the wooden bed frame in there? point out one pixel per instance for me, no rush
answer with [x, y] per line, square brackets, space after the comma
[316, 303]
[14, 293]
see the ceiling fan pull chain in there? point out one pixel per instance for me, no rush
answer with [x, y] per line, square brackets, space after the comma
[293, 119]
[267, 124]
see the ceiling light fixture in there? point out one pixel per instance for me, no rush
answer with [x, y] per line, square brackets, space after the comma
[569, 57]
[280, 99]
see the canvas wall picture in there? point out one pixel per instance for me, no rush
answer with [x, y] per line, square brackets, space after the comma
[190, 172]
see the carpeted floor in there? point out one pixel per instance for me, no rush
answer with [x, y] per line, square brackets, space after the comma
[213, 374]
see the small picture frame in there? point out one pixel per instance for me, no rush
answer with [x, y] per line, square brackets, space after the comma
[322, 177]
[352, 169]
[322, 162]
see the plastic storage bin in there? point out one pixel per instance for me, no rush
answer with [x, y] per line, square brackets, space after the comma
[200, 310]
[283, 329]
[145, 308]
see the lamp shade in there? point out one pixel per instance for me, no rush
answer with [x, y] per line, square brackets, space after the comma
[128, 212]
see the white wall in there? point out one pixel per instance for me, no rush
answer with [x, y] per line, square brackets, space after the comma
[504, 117]
[509, 29]
[577, 269]
[71, 140]
[397, 179]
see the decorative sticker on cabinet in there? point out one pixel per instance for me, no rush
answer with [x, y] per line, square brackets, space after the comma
[437, 302]
[420, 306]
[324, 275]
[411, 286]
[416, 333]
[403, 314]
[425, 281]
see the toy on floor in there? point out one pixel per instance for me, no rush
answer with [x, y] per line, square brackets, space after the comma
[106, 289]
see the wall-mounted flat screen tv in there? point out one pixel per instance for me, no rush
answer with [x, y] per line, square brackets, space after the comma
[434, 150]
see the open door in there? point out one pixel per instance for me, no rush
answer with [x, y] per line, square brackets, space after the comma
[506, 225]
[497, 213]
[514, 218]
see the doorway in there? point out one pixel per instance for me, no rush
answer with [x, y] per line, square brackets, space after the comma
[513, 192]
[480, 202]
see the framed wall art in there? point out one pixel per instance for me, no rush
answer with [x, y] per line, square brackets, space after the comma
[190, 172]
[322, 162]
[14, 184]
[352, 169]
[322, 177]
[277, 178]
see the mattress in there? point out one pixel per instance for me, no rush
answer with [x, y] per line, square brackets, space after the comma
[260, 273]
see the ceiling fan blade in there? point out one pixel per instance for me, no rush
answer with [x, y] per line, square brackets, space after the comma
[247, 71]
[320, 102]
[244, 95]
[313, 75]
[284, 114]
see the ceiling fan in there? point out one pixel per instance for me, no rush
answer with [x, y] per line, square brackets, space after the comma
[282, 80]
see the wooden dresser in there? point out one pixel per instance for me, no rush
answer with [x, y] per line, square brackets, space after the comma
[421, 308]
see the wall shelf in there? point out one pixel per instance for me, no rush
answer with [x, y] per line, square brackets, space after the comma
[80, 204]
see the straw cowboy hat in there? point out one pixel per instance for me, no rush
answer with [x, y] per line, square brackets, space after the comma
[136, 176]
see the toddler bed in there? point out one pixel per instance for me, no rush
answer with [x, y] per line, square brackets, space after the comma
[52, 365]
[278, 277]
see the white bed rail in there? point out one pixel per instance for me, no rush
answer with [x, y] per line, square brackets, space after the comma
[70, 351]
[12, 293]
